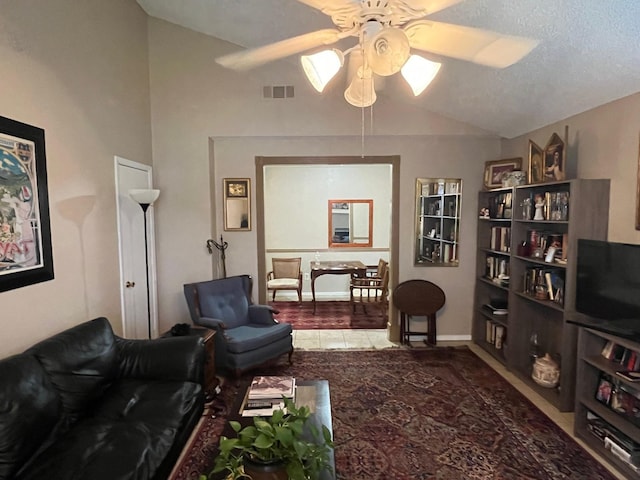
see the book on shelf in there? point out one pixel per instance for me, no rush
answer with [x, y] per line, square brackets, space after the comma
[274, 387]
[490, 331]
[500, 239]
[627, 358]
[495, 334]
[629, 375]
[499, 337]
[497, 270]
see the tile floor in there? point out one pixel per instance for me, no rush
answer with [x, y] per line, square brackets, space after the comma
[367, 339]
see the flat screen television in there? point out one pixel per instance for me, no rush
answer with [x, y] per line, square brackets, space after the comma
[608, 286]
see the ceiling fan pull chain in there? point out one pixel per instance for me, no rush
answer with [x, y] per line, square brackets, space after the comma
[362, 128]
[371, 121]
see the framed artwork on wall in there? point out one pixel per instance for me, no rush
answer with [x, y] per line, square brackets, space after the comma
[25, 231]
[237, 204]
[536, 163]
[554, 159]
[495, 170]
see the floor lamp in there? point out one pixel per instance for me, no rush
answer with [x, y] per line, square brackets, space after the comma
[144, 198]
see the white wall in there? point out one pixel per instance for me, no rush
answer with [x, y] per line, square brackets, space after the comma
[296, 202]
[296, 216]
[78, 70]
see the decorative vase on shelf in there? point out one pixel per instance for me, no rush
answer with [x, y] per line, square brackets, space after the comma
[546, 372]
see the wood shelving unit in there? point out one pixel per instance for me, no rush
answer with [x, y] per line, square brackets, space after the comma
[438, 210]
[530, 315]
[591, 365]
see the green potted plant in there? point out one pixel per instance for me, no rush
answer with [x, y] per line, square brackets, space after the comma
[284, 442]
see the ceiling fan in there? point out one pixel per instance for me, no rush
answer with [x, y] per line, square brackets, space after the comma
[387, 32]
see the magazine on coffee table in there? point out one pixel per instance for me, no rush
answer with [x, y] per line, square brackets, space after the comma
[273, 387]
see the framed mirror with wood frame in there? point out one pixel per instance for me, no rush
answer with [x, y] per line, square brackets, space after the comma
[237, 204]
[350, 223]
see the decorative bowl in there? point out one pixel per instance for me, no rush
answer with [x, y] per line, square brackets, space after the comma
[546, 372]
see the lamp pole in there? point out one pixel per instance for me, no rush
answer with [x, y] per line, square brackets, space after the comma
[145, 198]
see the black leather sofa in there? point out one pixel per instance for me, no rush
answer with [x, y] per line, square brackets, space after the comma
[87, 404]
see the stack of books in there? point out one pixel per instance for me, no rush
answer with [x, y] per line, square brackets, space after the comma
[265, 395]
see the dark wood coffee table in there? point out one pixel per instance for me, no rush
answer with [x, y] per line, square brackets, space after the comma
[313, 393]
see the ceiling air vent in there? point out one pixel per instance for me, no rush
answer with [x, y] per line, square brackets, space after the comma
[278, 91]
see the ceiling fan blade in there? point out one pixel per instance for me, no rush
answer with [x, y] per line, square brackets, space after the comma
[330, 7]
[429, 6]
[475, 45]
[246, 59]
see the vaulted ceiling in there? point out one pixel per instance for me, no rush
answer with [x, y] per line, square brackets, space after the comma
[588, 55]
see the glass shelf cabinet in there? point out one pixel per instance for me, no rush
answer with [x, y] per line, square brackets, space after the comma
[438, 206]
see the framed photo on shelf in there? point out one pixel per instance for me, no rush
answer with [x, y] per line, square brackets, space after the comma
[604, 390]
[554, 159]
[536, 163]
[494, 171]
[26, 256]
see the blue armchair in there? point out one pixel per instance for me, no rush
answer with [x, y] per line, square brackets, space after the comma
[247, 335]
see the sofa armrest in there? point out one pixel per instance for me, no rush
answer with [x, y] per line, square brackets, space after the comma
[172, 358]
[262, 314]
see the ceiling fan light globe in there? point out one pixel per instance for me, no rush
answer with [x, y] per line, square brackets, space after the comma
[387, 51]
[321, 67]
[361, 92]
[419, 73]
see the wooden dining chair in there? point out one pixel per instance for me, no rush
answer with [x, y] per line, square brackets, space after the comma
[285, 275]
[371, 290]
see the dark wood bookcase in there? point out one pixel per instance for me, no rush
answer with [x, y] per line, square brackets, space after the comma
[590, 370]
[536, 322]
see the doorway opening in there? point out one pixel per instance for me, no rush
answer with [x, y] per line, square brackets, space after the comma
[292, 195]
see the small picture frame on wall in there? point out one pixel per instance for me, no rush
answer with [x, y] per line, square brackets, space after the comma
[495, 170]
[237, 187]
[536, 163]
[237, 204]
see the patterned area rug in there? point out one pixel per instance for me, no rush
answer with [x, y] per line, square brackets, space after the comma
[329, 315]
[419, 414]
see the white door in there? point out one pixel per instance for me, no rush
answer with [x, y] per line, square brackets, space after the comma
[133, 273]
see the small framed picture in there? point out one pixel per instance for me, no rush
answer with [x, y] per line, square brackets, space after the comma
[554, 159]
[604, 391]
[536, 163]
[495, 170]
[237, 188]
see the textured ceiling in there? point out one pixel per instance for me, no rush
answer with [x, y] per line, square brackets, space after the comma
[589, 53]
